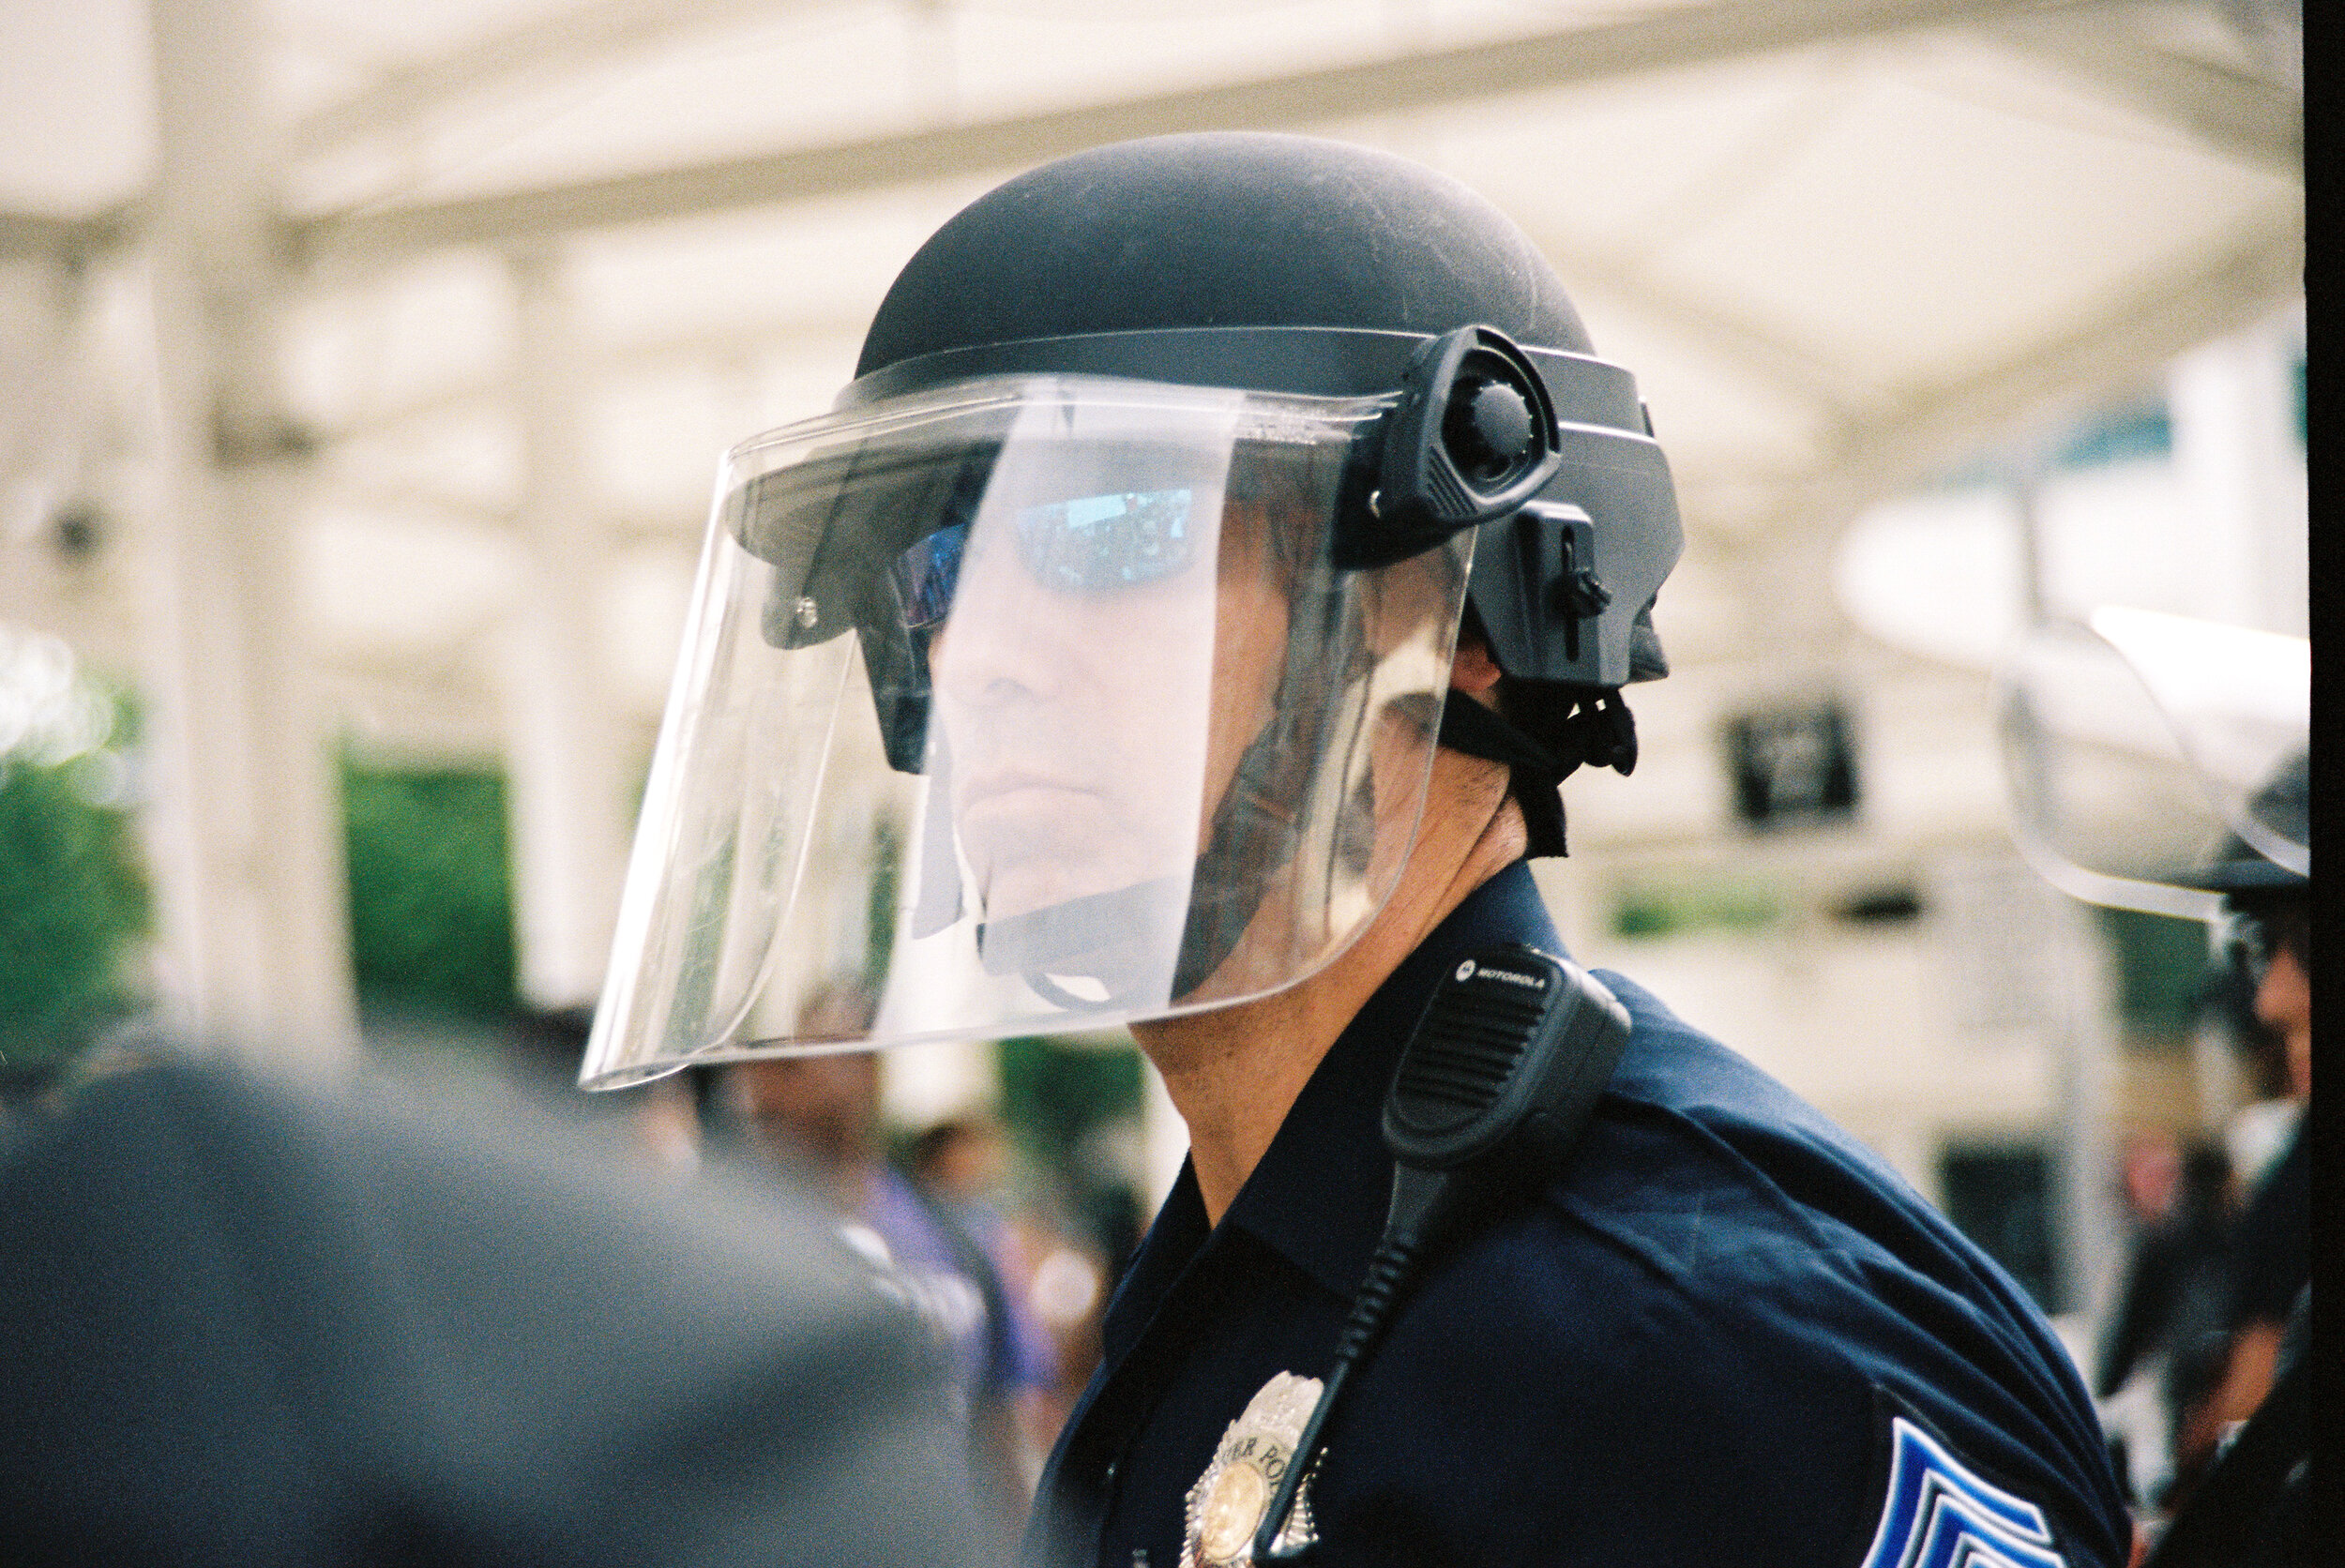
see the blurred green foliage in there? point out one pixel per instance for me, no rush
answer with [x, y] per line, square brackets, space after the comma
[429, 897]
[1728, 905]
[2161, 966]
[879, 910]
[1052, 1093]
[74, 899]
[430, 892]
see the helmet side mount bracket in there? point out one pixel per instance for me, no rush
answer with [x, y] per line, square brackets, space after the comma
[1555, 549]
[1537, 591]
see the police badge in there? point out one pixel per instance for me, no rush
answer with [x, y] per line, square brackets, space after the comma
[1225, 1507]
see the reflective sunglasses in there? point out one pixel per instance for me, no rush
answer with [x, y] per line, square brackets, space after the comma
[2250, 939]
[1086, 544]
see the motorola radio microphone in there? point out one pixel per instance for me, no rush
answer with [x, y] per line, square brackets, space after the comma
[1491, 1091]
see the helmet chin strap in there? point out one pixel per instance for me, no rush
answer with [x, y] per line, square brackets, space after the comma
[1124, 939]
[1256, 827]
[1597, 730]
[1117, 938]
[1253, 834]
[1121, 940]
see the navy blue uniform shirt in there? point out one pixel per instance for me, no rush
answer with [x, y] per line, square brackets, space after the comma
[1726, 1334]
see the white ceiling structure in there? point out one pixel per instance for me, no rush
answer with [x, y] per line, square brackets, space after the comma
[434, 317]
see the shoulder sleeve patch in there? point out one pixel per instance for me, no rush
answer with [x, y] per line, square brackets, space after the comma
[1939, 1514]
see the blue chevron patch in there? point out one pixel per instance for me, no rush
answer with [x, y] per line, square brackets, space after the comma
[1938, 1514]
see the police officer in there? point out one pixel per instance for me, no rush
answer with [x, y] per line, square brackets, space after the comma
[2244, 1454]
[2207, 726]
[1240, 541]
[2265, 930]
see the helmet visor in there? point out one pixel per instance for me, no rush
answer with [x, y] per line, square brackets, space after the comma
[2142, 756]
[1026, 705]
[2239, 703]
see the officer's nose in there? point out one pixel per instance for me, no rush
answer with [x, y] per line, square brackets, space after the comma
[999, 652]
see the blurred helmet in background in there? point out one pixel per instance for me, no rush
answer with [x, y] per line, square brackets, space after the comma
[2160, 763]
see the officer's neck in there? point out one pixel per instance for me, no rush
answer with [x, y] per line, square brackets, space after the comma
[1234, 1073]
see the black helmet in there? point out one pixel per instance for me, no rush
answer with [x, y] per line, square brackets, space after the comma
[2160, 763]
[1290, 264]
[2283, 808]
[1308, 400]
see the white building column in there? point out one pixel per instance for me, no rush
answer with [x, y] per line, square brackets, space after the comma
[2086, 1224]
[41, 431]
[2083, 1039]
[567, 816]
[2232, 402]
[252, 889]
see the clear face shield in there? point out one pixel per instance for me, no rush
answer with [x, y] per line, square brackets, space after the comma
[1027, 706]
[2145, 753]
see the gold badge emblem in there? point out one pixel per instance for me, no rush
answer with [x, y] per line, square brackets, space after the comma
[1226, 1505]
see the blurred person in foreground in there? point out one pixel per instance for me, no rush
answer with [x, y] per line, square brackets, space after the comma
[2203, 729]
[253, 1323]
[539, 1050]
[1228, 547]
[817, 1120]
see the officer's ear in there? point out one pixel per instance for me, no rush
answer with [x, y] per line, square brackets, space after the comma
[1471, 670]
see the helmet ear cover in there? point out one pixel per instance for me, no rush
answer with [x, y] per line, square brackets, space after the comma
[1472, 439]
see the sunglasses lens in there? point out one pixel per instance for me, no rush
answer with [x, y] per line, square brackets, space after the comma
[926, 573]
[1083, 545]
[2248, 939]
[1107, 541]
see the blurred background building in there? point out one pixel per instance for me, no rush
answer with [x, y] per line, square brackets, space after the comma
[363, 370]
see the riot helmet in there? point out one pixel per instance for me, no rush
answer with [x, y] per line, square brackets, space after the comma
[2160, 763]
[1085, 665]
[2267, 905]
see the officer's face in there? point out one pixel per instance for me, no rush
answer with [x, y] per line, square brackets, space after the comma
[2283, 1000]
[1089, 734]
